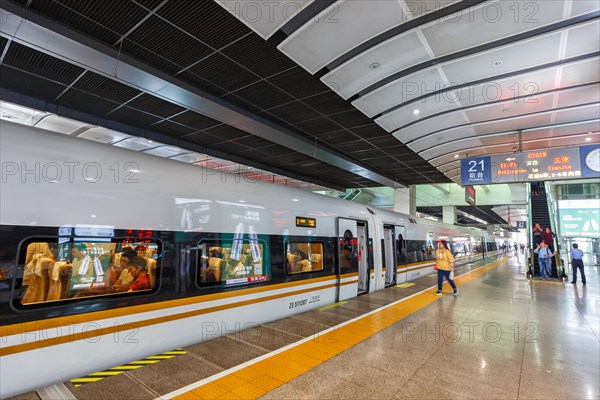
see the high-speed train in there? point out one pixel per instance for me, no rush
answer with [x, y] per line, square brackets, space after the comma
[220, 253]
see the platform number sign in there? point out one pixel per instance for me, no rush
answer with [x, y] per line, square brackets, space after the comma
[476, 171]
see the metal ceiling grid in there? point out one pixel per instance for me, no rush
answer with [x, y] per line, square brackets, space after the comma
[226, 58]
[27, 84]
[86, 102]
[106, 88]
[194, 120]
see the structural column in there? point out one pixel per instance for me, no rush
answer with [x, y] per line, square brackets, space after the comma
[449, 214]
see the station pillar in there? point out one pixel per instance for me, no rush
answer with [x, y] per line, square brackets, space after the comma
[449, 214]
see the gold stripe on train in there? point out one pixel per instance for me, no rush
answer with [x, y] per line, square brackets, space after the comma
[110, 330]
[33, 326]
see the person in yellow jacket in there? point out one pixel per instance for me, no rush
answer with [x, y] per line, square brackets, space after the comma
[445, 264]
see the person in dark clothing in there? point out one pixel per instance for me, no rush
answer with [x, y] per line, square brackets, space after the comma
[548, 237]
[577, 262]
[537, 235]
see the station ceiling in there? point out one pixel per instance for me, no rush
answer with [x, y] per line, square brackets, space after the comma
[343, 94]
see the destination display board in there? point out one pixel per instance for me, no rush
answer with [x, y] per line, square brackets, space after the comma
[532, 166]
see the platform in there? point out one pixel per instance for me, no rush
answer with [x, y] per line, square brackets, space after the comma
[502, 337]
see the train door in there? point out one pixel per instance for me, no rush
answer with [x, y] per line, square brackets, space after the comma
[388, 255]
[348, 251]
[400, 241]
[364, 272]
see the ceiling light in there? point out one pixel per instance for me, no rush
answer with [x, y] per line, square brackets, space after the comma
[150, 141]
[242, 201]
[375, 65]
[497, 63]
[456, 156]
[589, 139]
[295, 200]
[416, 112]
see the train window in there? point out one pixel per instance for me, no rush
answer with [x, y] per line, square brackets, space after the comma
[304, 257]
[232, 261]
[71, 269]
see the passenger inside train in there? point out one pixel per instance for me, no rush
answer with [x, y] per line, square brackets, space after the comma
[304, 257]
[232, 263]
[84, 269]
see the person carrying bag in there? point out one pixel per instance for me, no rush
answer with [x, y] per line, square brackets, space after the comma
[445, 266]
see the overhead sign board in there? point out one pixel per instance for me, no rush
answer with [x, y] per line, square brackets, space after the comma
[521, 224]
[470, 195]
[532, 166]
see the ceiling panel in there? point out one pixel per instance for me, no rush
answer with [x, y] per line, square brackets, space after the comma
[482, 65]
[375, 64]
[401, 91]
[488, 22]
[583, 6]
[513, 124]
[583, 39]
[581, 95]
[486, 92]
[338, 23]
[428, 126]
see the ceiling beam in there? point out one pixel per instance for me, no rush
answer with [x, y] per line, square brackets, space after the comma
[40, 33]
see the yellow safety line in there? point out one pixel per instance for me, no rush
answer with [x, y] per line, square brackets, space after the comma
[330, 306]
[550, 282]
[259, 378]
[97, 376]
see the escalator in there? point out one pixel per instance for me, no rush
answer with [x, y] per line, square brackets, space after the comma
[540, 215]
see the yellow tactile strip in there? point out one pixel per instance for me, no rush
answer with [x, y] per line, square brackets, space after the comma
[257, 378]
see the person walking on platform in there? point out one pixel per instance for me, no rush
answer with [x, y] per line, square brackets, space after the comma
[445, 265]
[544, 255]
[577, 262]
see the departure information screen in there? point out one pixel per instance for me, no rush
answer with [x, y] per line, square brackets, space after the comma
[532, 166]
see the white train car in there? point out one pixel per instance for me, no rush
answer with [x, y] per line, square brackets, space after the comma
[212, 254]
